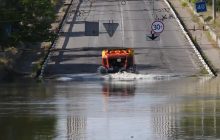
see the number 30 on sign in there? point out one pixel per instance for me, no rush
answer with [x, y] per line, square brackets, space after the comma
[157, 26]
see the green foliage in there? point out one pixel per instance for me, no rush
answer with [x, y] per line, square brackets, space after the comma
[207, 19]
[30, 20]
[209, 2]
[184, 4]
[193, 1]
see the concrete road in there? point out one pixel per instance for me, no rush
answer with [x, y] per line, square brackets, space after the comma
[77, 53]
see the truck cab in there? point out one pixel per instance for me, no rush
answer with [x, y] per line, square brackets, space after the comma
[117, 60]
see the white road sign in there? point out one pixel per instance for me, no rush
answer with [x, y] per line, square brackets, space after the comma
[157, 26]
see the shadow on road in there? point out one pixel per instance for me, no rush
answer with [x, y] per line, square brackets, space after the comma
[72, 23]
[71, 69]
[72, 34]
[72, 57]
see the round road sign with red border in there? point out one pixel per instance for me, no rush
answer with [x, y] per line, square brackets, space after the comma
[157, 26]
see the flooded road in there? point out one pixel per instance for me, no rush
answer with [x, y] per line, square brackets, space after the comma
[79, 108]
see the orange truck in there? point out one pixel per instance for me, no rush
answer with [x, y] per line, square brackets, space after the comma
[117, 60]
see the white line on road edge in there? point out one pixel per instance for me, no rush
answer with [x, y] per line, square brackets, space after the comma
[190, 41]
[122, 26]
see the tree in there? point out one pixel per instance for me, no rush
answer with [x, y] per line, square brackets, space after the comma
[8, 16]
[36, 20]
[30, 19]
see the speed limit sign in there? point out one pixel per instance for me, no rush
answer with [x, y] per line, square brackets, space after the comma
[157, 26]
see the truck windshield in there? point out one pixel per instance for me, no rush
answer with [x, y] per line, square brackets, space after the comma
[117, 62]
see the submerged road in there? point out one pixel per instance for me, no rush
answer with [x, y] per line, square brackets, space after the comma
[77, 53]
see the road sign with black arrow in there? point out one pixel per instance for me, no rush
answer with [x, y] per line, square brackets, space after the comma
[152, 37]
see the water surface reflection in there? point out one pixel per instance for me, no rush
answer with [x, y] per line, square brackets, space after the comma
[186, 108]
[21, 108]
[122, 88]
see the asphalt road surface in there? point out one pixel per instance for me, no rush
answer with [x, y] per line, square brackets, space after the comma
[77, 53]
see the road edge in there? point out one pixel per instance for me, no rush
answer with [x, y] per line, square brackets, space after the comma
[53, 45]
[195, 46]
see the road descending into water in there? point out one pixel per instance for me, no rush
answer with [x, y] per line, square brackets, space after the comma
[129, 25]
[166, 100]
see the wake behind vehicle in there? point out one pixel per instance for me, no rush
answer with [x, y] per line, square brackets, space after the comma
[117, 60]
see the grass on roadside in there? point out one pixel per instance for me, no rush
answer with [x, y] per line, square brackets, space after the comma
[3, 61]
[184, 4]
[36, 68]
[207, 16]
[203, 71]
[213, 43]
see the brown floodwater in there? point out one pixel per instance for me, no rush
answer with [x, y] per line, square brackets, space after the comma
[96, 109]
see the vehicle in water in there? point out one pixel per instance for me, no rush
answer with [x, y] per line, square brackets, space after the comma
[117, 60]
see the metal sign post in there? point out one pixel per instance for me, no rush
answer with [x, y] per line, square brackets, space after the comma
[214, 9]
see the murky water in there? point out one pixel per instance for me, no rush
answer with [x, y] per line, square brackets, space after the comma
[87, 107]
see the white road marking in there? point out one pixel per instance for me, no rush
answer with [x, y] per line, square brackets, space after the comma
[122, 26]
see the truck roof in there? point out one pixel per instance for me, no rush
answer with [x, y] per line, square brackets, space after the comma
[117, 52]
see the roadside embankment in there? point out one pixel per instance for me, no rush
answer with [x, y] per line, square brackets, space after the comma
[8, 58]
[25, 60]
[199, 36]
[206, 19]
[74, 6]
